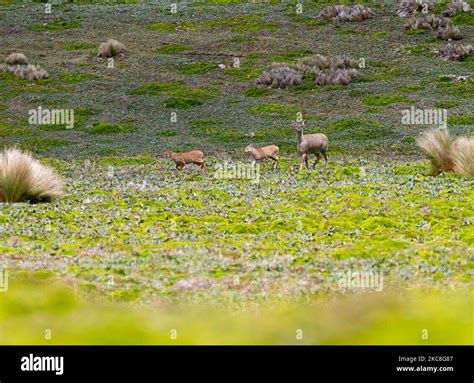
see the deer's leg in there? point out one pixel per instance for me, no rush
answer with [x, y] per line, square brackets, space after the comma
[303, 156]
[200, 164]
[325, 157]
[318, 157]
[275, 159]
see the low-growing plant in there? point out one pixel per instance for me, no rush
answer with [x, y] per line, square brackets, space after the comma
[173, 48]
[24, 179]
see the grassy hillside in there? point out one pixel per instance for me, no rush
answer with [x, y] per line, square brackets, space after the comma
[136, 249]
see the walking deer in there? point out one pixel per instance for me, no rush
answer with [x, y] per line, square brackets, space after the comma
[260, 154]
[182, 159]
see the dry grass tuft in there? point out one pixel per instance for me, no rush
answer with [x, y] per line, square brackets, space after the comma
[427, 22]
[23, 179]
[280, 75]
[455, 52]
[346, 13]
[436, 144]
[337, 70]
[337, 77]
[30, 72]
[16, 59]
[450, 32]
[110, 48]
[456, 6]
[462, 153]
[411, 7]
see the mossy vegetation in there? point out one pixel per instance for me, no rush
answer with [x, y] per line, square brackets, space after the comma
[174, 48]
[108, 128]
[461, 120]
[196, 68]
[58, 24]
[248, 23]
[385, 99]
[77, 45]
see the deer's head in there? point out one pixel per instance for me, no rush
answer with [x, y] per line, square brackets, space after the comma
[249, 148]
[298, 125]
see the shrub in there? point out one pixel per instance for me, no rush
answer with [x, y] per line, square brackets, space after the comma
[455, 52]
[463, 155]
[436, 144]
[16, 59]
[110, 48]
[22, 178]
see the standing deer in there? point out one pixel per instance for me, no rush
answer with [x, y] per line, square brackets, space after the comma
[260, 154]
[316, 144]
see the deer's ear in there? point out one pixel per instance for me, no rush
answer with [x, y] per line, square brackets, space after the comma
[303, 122]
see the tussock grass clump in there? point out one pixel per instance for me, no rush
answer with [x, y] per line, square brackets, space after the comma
[447, 154]
[110, 48]
[436, 144]
[450, 32]
[16, 59]
[456, 6]
[337, 70]
[346, 13]
[455, 52]
[463, 155]
[410, 7]
[280, 76]
[30, 72]
[337, 77]
[23, 179]
[322, 62]
[16, 63]
[430, 22]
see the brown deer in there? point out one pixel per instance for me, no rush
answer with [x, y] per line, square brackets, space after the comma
[260, 154]
[182, 159]
[316, 144]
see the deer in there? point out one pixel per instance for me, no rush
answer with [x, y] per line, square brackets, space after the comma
[316, 144]
[260, 154]
[182, 159]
